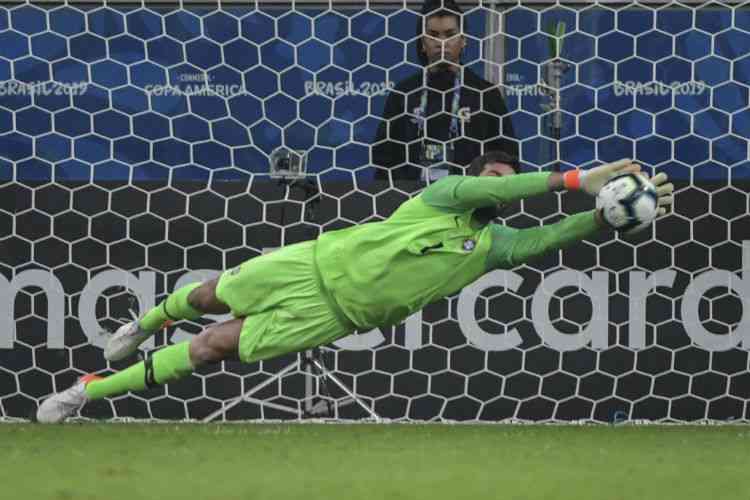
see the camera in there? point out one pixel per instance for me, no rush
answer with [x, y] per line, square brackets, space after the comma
[286, 163]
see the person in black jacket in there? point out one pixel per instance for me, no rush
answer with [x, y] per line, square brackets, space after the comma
[438, 120]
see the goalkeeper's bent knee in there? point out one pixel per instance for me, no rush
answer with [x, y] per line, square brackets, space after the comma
[175, 307]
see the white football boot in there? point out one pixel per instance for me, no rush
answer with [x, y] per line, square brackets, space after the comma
[125, 341]
[64, 404]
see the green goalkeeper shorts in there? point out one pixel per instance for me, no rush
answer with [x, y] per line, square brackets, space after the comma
[283, 302]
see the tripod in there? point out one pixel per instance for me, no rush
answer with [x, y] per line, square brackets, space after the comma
[310, 362]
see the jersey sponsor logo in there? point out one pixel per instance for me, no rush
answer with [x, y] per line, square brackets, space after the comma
[469, 245]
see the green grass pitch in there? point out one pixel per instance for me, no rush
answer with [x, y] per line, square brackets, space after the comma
[356, 462]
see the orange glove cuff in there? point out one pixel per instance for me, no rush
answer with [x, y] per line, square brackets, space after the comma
[572, 180]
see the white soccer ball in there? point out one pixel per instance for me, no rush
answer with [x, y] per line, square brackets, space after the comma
[628, 203]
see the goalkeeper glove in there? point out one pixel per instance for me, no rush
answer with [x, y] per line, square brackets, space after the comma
[591, 181]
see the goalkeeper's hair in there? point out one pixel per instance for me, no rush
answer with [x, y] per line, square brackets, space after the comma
[477, 164]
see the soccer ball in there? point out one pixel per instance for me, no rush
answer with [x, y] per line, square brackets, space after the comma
[628, 203]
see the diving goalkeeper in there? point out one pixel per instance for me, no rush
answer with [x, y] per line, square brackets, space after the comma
[370, 275]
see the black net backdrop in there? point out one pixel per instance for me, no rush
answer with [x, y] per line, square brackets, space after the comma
[74, 232]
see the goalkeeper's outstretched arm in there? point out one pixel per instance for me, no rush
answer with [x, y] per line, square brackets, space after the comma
[467, 193]
[512, 247]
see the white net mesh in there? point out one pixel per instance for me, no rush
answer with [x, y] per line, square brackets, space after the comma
[134, 152]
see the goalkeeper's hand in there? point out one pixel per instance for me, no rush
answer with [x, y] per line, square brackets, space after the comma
[664, 191]
[664, 197]
[592, 181]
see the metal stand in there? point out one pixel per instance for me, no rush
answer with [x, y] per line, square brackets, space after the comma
[554, 71]
[310, 362]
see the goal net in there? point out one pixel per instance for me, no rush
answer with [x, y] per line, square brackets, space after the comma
[135, 146]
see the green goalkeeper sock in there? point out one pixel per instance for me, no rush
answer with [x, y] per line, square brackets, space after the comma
[166, 365]
[174, 308]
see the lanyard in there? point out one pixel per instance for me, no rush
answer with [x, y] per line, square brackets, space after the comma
[422, 112]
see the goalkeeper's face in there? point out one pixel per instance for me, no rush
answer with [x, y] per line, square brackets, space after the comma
[497, 169]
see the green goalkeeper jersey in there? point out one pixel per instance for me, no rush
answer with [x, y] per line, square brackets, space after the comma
[434, 245]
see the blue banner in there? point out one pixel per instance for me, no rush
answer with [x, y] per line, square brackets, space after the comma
[139, 94]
